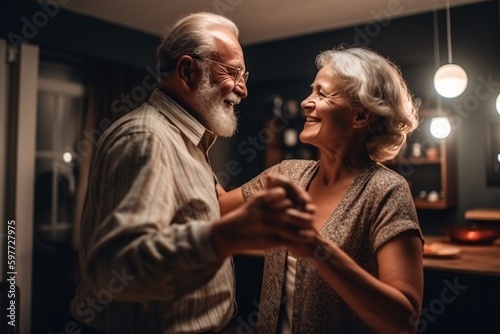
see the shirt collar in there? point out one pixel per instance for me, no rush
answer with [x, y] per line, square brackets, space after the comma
[182, 119]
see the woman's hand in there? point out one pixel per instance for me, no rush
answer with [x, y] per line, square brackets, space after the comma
[279, 215]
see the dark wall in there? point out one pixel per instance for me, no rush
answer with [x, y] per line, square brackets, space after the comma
[58, 30]
[286, 67]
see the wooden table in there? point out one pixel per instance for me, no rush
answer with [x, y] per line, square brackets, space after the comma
[478, 260]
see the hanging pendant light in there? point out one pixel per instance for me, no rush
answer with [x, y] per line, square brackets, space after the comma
[440, 127]
[450, 80]
[498, 103]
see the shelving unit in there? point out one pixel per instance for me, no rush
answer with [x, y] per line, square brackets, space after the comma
[483, 214]
[426, 174]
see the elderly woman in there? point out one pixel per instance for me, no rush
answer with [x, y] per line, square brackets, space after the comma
[364, 271]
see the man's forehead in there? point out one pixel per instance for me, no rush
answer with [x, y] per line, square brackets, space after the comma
[226, 42]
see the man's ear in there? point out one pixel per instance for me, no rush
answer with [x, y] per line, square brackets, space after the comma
[186, 71]
[363, 118]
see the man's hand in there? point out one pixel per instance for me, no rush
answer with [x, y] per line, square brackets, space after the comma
[280, 215]
[299, 198]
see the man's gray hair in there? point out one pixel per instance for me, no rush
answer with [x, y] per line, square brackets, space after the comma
[189, 36]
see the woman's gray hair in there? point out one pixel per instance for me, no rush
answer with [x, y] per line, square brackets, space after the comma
[376, 84]
[189, 36]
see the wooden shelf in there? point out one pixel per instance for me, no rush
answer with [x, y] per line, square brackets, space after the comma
[415, 161]
[441, 204]
[484, 214]
[426, 174]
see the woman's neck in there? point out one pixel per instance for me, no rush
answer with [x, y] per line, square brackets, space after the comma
[335, 167]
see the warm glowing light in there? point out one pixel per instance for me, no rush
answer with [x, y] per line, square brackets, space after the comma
[498, 157]
[498, 103]
[440, 127]
[67, 157]
[450, 80]
[473, 235]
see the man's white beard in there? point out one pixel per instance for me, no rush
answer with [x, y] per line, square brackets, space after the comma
[216, 115]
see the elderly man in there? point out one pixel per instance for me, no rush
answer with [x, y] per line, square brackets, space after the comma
[156, 254]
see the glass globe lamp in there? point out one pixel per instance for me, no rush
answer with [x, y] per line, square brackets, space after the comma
[440, 127]
[450, 80]
[498, 103]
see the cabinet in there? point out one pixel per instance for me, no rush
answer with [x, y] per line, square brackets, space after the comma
[429, 165]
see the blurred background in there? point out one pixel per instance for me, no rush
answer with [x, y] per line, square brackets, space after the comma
[69, 68]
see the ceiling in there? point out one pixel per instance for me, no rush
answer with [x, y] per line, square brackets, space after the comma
[258, 20]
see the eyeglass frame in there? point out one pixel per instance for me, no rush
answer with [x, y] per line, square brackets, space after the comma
[239, 70]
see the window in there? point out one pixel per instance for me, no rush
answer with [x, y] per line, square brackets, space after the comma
[59, 114]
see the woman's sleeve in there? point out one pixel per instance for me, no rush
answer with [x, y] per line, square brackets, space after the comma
[257, 183]
[395, 213]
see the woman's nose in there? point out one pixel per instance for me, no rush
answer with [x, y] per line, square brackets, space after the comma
[308, 103]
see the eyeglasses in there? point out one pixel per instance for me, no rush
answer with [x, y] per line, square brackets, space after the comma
[237, 75]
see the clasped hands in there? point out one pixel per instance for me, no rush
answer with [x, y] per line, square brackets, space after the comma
[280, 215]
[290, 215]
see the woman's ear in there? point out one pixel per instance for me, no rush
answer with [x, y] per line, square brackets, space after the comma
[363, 118]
